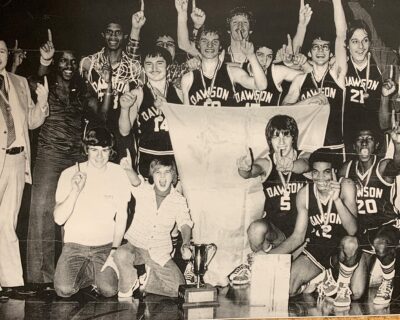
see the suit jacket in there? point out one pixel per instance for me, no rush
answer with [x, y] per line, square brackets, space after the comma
[32, 116]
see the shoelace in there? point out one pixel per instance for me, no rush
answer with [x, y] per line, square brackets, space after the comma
[343, 292]
[385, 288]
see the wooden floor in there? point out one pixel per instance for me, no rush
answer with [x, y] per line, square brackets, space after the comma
[233, 304]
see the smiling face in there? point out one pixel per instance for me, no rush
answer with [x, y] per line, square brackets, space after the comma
[209, 45]
[239, 27]
[163, 177]
[155, 68]
[320, 52]
[365, 145]
[322, 175]
[67, 66]
[359, 45]
[113, 36]
[3, 55]
[98, 156]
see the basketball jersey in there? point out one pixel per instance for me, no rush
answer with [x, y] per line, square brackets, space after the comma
[271, 96]
[221, 93]
[323, 231]
[374, 195]
[280, 203]
[335, 94]
[357, 106]
[153, 135]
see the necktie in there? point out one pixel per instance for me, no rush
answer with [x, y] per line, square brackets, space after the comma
[6, 110]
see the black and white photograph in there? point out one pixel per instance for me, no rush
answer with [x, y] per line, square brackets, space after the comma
[199, 159]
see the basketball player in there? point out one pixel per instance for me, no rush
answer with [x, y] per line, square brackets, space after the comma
[325, 80]
[282, 172]
[139, 105]
[326, 213]
[375, 181]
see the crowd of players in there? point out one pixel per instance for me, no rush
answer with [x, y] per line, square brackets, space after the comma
[333, 210]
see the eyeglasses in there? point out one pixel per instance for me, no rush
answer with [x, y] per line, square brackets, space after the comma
[116, 33]
[323, 47]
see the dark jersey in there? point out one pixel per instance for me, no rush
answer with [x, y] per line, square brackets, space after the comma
[335, 95]
[280, 204]
[271, 96]
[358, 106]
[374, 195]
[324, 231]
[153, 135]
[221, 93]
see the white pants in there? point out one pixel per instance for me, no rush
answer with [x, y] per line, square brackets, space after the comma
[12, 182]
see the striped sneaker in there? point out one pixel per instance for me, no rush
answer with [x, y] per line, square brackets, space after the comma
[240, 275]
[384, 293]
[343, 296]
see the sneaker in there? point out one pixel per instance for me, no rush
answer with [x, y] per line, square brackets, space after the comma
[329, 286]
[384, 293]
[343, 297]
[313, 284]
[129, 293]
[189, 275]
[241, 275]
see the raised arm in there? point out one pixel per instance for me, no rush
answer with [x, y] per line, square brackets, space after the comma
[183, 32]
[340, 41]
[47, 51]
[130, 103]
[305, 14]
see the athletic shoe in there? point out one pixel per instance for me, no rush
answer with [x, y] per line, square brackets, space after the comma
[189, 275]
[313, 284]
[129, 293]
[343, 296]
[329, 286]
[384, 293]
[240, 275]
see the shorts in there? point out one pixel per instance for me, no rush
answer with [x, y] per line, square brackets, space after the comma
[321, 255]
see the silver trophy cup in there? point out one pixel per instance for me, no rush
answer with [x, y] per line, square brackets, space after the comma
[202, 255]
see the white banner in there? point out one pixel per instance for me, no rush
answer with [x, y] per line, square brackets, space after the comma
[207, 141]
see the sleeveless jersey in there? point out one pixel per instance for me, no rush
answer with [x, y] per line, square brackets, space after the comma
[271, 96]
[221, 94]
[153, 135]
[336, 98]
[374, 195]
[357, 106]
[280, 204]
[324, 232]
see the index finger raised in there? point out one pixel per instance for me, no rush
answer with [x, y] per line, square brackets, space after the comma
[142, 5]
[193, 5]
[49, 35]
[46, 84]
[301, 3]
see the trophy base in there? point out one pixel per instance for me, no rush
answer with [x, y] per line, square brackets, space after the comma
[191, 296]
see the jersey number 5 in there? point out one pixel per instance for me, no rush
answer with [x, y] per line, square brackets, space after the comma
[285, 202]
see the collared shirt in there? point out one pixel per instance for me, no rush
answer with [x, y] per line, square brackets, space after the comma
[151, 227]
[17, 117]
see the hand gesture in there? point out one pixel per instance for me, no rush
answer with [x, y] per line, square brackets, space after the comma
[388, 87]
[181, 6]
[128, 99]
[110, 263]
[283, 164]
[186, 252]
[305, 13]
[42, 92]
[285, 54]
[299, 59]
[247, 48]
[106, 71]
[78, 180]
[18, 55]
[245, 163]
[198, 16]
[160, 99]
[47, 50]
[138, 18]
[395, 134]
[126, 162]
[319, 99]
[194, 63]
[334, 187]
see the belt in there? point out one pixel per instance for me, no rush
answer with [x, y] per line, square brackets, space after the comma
[15, 150]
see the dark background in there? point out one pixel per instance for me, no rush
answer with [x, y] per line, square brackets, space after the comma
[77, 24]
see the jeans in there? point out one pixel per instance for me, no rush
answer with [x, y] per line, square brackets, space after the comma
[79, 267]
[162, 280]
[44, 236]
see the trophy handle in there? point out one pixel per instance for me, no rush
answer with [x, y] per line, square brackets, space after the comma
[213, 248]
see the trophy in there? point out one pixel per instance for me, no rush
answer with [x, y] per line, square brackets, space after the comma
[199, 294]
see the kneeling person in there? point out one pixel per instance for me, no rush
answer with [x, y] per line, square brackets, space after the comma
[91, 203]
[159, 206]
